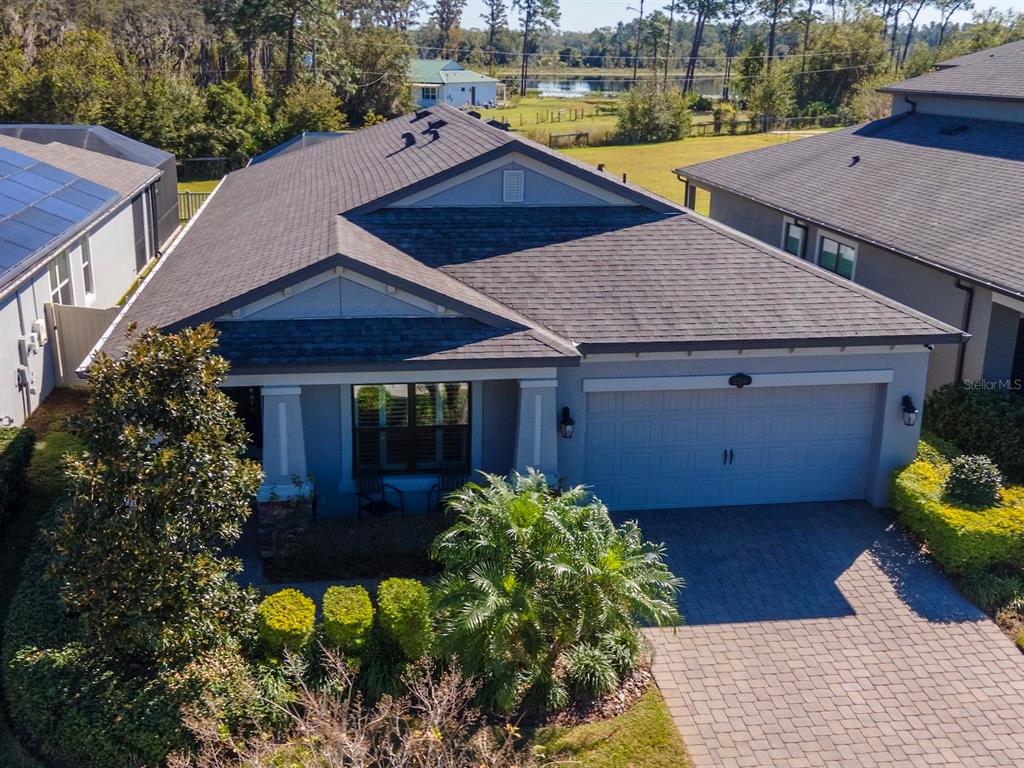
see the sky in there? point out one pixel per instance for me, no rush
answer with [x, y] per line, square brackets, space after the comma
[585, 15]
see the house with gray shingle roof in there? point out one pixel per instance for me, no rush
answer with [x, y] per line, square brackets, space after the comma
[434, 294]
[441, 81]
[925, 206]
[77, 226]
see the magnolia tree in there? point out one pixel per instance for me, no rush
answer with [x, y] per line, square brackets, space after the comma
[157, 493]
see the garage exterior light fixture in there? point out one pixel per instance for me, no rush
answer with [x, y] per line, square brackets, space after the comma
[567, 424]
[909, 411]
[740, 380]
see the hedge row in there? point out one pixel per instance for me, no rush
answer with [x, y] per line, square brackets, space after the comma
[287, 619]
[980, 421]
[961, 538]
[15, 454]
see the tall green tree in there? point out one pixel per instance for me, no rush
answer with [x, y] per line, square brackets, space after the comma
[495, 17]
[703, 12]
[13, 79]
[307, 106]
[771, 96]
[534, 15]
[736, 11]
[447, 14]
[774, 12]
[80, 80]
[158, 492]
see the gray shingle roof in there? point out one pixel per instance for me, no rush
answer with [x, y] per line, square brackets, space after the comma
[944, 190]
[986, 55]
[378, 342]
[601, 279]
[999, 77]
[550, 273]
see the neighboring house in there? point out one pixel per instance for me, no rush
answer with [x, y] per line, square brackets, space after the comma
[76, 228]
[926, 206]
[435, 293]
[439, 81]
[96, 138]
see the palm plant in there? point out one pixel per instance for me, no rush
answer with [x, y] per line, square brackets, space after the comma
[531, 577]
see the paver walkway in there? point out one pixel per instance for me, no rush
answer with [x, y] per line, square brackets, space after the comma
[816, 636]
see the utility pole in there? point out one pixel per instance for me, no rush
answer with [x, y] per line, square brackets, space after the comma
[639, 28]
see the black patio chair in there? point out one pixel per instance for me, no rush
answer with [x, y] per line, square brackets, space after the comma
[372, 493]
[448, 481]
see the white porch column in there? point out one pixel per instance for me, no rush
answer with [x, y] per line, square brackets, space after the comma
[537, 428]
[284, 446]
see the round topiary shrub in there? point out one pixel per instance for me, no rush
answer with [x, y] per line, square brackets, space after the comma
[348, 617]
[286, 621]
[405, 616]
[973, 480]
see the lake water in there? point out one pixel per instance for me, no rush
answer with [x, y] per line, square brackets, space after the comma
[572, 86]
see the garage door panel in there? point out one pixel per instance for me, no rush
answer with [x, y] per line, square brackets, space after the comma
[788, 444]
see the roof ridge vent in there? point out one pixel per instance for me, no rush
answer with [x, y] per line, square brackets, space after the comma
[954, 130]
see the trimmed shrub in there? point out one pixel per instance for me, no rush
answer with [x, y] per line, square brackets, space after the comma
[1020, 642]
[973, 480]
[590, 671]
[15, 454]
[935, 450]
[959, 538]
[77, 707]
[286, 620]
[404, 615]
[348, 618]
[980, 421]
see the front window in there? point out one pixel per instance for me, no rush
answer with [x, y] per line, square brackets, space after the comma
[428, 94]
[836, 257]
[794, 239]
[411, 427]
[60, 281]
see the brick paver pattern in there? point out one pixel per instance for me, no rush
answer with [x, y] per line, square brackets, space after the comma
[816, 635]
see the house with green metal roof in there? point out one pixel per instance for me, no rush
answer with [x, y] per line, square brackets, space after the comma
[441, 81]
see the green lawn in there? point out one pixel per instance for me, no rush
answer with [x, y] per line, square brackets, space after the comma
[45, 481]
[206, 185]
[650, 165]
[643, 737]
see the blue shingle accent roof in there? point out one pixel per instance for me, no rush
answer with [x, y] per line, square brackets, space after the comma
[41, 204]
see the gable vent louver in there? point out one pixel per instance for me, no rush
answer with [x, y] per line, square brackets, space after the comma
[512, 186]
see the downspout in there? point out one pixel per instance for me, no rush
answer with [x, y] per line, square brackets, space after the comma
[912, 103]
[964, 326]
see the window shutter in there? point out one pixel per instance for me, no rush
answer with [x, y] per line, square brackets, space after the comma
[512, 186]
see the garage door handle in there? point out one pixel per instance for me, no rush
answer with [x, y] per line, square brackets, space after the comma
[725, 456]
[731, 457]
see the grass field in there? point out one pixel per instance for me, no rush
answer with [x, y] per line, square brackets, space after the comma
[650, 165]
[206, 185]
[642, 736]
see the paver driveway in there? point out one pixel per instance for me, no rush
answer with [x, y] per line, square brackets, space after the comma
[816, 636]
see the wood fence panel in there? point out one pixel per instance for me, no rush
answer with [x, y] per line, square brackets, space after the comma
[189, 203]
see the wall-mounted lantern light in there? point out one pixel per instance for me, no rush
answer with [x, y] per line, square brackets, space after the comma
[566, 425]
[909, 411]
[740, 380]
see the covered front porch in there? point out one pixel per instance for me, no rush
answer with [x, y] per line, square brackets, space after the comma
[314, 433]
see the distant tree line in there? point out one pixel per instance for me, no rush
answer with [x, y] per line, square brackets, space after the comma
[230, 78]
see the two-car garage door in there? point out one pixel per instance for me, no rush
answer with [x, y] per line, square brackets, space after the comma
[706, 447]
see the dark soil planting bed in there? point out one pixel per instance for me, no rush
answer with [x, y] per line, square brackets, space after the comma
[339, 548]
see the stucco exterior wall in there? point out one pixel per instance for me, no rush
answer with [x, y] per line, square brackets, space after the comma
[981, 109]
[895, 443]
[112, 249]
[486, 190]
[916, 285]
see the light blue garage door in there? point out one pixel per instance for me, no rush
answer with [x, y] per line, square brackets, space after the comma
[687, 448]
